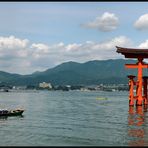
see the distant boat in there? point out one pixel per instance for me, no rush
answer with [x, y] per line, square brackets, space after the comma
[6, 90]
[101, 98]
[16, 112]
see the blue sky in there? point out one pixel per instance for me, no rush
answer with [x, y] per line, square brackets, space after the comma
[35, 36]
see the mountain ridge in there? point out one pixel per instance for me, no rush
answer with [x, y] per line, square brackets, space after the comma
[73, 73]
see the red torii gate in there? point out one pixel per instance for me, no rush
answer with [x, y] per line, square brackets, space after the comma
[141, 83]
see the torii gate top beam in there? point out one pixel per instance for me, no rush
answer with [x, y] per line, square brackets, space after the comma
[133, 53]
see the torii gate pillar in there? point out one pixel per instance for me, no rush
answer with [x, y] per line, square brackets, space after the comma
[131, 90]
[140, 65]
[145, 90]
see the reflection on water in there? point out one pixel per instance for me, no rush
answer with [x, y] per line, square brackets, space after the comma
[136, 120]
[6, 117]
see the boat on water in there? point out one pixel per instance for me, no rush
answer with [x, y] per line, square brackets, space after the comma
[16, 112]
[101, 98]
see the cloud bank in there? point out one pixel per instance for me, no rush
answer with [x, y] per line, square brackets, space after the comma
[24, 57]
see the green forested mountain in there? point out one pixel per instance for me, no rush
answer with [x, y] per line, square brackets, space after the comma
[72, 73]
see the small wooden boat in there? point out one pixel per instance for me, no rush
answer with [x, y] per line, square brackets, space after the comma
[15, 112]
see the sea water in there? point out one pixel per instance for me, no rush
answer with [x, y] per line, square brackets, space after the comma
[72, 118]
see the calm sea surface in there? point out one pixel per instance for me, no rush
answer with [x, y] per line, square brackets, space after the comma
[73, 118]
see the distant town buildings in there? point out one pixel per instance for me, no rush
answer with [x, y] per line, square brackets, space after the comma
[4, 87]
[45, 85]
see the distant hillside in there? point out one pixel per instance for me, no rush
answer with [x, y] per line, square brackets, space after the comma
[72, 73]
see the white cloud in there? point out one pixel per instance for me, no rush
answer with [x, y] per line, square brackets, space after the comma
[144, 45]
[110, 44]
[142, 22]
[12, 43]
[13, 47]
[21, 56]
[71, 47]
[91, 50]
[39, 50]
[106, 22]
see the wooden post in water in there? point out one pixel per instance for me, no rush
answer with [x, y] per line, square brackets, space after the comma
[145, 90]
[131, 90]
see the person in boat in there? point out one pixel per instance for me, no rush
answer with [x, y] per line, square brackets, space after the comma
[3, 111]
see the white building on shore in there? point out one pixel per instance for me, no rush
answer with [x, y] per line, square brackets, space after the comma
[45, 85]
